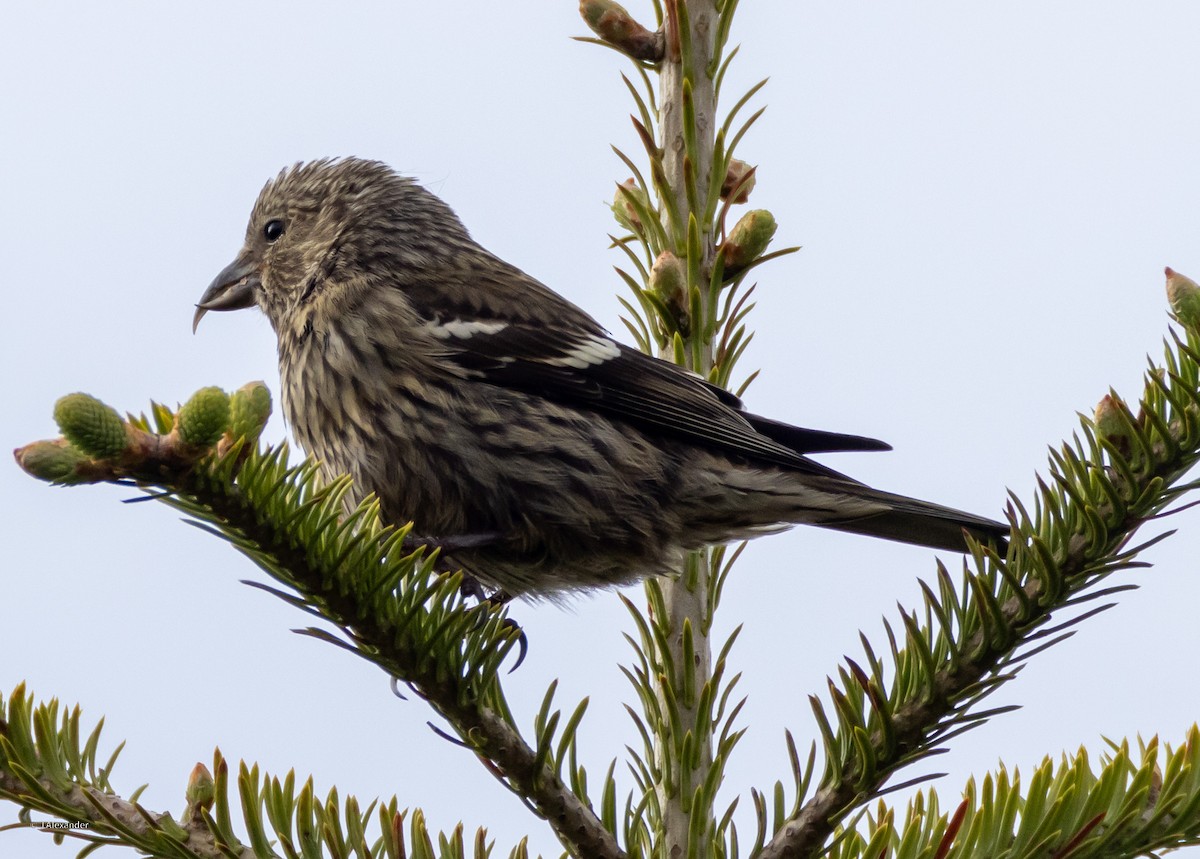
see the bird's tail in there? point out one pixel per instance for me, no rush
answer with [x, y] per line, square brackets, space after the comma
[748, 501]
[909, 520]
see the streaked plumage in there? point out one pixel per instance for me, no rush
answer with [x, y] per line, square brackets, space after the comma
[474, 401]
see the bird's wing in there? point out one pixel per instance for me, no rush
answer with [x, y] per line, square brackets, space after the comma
[578, 364]
[804, 440]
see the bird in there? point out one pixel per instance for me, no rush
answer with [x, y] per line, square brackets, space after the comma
[502, 421]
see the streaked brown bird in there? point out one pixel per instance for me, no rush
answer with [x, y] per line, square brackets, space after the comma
[500, 418]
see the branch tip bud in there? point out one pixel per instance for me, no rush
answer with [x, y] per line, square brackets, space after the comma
[614, 25]
[1183, 294]
[91, 426]
[200, 792]
[54, 461]
[203, 419]
[1110, 421]
[249, 410]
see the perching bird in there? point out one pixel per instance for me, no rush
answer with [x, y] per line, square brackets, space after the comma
[503, 420]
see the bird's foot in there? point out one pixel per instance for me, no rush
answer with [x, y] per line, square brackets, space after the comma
[497, 598]
[471, 586]
[522, 643]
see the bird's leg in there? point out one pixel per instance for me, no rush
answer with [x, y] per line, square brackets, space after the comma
[499, 597]
[455, 542]
[471, 586]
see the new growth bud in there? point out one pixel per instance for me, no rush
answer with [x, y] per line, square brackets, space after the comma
[668, 282]
[624, 208]
[1184, 297]
[204, 418]
[1112, 423]
[668, 277]
[747, 240]
[612, 23]
[92, 427]
[200, 793]
[739, 182]
[249, 410]
[53, 461]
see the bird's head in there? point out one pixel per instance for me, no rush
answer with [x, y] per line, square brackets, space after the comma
[318, 226]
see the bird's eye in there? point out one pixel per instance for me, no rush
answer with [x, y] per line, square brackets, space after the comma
[273, 230]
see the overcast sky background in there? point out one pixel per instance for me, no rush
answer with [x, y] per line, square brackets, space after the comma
[986, 195]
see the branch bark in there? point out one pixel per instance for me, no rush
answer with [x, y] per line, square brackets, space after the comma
[688, 121]
[107, 810]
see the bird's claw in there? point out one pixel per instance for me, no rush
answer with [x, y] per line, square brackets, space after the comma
[471, 587]
[496, 599]
[522, 643]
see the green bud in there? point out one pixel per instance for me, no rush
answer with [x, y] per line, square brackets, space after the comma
[249, 410]
[201, 791]
[204, 418]
[52, 461]
[1117, 425]
[612, 23]
[748, 239]
[91, 426]
[668, 278]
[623, 206]
[1112, 423]
[1184, 296]
[668, 283]
[739, 181]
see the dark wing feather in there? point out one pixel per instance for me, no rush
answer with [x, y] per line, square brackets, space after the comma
[590, 371]
[804, 440]
[502, 327]
[799, 439]
[550, 347]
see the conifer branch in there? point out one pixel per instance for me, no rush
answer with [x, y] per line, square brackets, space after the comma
[1133, 804]
[966, 641]
[686, 312]
[45, 768]
[365, 578]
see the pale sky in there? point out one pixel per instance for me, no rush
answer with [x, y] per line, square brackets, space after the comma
[986, 196]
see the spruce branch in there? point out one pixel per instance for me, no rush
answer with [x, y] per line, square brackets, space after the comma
[46, 767]
[1132, 804]
[378, 590]
[1121, 471]
[690, 308]
[617, 29]
[679, 650]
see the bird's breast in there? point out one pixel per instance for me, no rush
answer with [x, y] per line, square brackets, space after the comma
[360, 400]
